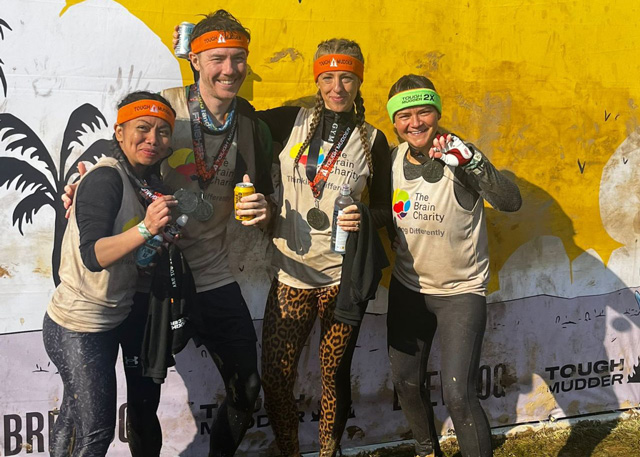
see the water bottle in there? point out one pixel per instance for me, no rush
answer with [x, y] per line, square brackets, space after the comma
[338, 235]
[147, 253]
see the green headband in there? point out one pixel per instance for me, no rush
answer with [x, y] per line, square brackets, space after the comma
[411, 98]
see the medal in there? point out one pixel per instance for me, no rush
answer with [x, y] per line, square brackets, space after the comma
[203, 211]
[432, 170]
[187, 201]
[317, 219]
[317, 177]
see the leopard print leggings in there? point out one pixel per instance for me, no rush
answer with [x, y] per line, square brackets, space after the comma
[289, 317]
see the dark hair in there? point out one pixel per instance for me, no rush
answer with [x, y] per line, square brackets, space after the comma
[144, 95]
[220, 20]
[350, 48]
[408, 82]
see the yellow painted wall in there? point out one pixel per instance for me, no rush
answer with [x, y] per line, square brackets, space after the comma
[537, 85]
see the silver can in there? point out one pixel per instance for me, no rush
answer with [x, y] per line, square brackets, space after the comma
[184, 37]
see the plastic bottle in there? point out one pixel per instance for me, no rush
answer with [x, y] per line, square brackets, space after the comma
[148, 252]
[338, 235]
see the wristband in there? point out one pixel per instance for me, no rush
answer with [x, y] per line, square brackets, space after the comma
[144, 231]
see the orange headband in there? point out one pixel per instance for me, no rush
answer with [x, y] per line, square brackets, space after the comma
[338, 62]
[146, 108]
[219, 39]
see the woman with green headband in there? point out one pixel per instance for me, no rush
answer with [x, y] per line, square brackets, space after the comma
[442, 265]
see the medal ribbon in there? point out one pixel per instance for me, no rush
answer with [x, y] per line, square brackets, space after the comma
[195, 117]
[206, 119]
[318, 178]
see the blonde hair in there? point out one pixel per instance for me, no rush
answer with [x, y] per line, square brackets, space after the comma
[350, 48]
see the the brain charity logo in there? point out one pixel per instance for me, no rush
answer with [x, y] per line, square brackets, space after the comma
[303, 158]
[184, 162]
[401, 203]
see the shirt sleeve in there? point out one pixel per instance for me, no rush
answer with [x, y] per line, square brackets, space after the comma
[264, 183]
[280, 122]
[380, 186]
[97, 205]
[493, 186]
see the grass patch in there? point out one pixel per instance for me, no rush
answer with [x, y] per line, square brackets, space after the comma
[618, 438]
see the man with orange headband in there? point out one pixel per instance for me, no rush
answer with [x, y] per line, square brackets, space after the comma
[218, 140]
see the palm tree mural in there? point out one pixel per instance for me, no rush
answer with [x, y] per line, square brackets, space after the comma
[40, 188]
[3, 80]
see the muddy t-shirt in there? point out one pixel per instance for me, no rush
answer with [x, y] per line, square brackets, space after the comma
[88, 301]
[303, 257]
[443, 247]
[204, 243]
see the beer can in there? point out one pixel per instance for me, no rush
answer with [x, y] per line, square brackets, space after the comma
[184, 36]
[242, 189]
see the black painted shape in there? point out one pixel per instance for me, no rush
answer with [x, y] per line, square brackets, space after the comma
[635, 376]
[3, 80]
[581, 166]
[46, 186]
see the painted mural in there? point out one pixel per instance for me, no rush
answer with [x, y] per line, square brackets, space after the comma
[547, 90]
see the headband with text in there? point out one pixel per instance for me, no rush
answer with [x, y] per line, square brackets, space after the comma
[411, 98]
[219, 39]
[338, 62]
[146, 108]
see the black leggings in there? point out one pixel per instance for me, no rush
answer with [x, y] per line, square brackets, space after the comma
[226, 329]
[412, 320]
[228, 334]
[143, 394]
[86, 363]
[97, 386]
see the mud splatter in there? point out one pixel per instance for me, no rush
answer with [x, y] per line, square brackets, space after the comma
[356, 432]
[430, 62]
[509, 378]
[43, 271]
[573, 408]
[291, 52]
[4, 272]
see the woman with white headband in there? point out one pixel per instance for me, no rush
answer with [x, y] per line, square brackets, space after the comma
[441, 269]
[114, 213]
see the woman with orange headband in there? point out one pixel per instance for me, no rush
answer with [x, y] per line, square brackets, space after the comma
[442, 265]
[324, 148]
[108, 222]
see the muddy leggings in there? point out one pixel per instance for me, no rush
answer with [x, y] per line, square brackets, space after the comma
[226, 330]
[143, 394]
[289, 317]
[86, 363]
[412, 320]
